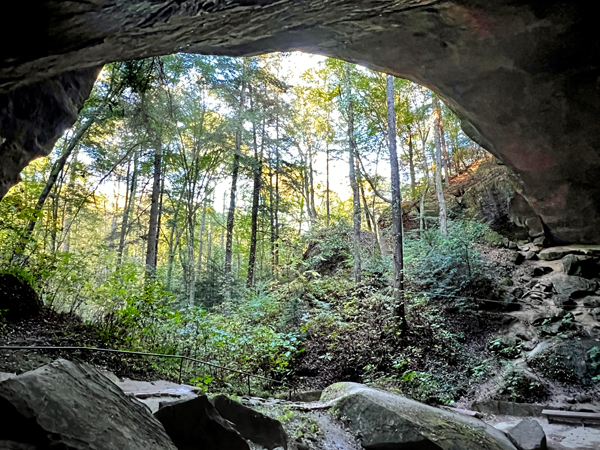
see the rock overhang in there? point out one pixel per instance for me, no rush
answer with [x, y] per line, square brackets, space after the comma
[523, 76]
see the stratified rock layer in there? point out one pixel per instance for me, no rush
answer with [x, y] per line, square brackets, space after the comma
[521, 75]
[70, 405]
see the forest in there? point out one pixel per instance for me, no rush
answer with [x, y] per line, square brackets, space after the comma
[283, 215]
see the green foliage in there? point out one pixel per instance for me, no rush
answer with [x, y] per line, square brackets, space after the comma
[505, 347]
[519, 387]
[594, 356]
[447, 266]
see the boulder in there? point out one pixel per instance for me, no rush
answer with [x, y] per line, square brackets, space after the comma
[554, 253]
[251, 424]
[570, 287]
[17, 298]
[528, 435]
[583, 266]
[384, 420]
[531, 255]
[73, 406]
[11, 445]
[197, 425]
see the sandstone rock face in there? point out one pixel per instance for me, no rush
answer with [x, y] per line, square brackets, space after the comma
[73, 406]
[521, 74]
[389, 421]
[33, 117]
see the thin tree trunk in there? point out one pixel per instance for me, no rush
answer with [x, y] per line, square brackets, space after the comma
[172, 248]
[277, 170]
[191, 291]
[354, 184]
[327, 182]
[399, 309]
[411, 165]
[313, 208]
[257, 170]
[202, 232]
[234, 178]
[422, 210]
[444, 152]
[130, 201]
[151, 256]
[56, 170]
[438, 167]
[54, 220]
[366, 207]
[424, 136]
[69, 209]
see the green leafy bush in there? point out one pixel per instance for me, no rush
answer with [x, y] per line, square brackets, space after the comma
[446, 265]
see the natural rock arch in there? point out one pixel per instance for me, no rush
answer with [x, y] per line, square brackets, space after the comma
[522, 75]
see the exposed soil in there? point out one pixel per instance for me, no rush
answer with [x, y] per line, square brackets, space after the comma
[63, 330]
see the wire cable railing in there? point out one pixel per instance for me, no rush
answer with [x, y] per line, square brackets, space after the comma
[247, 376]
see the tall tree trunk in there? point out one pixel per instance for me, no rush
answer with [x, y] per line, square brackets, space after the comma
[234, 179]
[438, 166]
[202, 231]
[327, 182]
[366, 208]
[354, 184]
[69, 209]
[313, 208]
[130, 201]
[257, 171]
[445, 153]
[55, 199]
[173, 244]
[151, 256]
[411, 165]
[277, 171]
[424, 136]
[399, 309]
[191, 291]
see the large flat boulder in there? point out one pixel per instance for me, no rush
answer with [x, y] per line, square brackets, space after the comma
[384, 420]
[70, 405]
[571, 286]
[554, 253]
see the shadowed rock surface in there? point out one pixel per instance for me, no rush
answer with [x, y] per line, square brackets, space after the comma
[18, 300]
[73, 406]
[196, 424]
[251, 424]
[522, 75]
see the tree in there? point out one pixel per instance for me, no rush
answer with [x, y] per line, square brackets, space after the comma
[438, 165]
[396, 208]
[352, 155]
